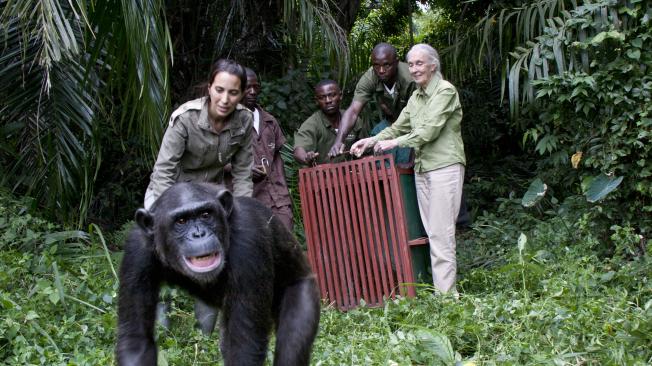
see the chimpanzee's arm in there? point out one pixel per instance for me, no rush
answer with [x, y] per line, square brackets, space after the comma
[245, 332]
[139, 288]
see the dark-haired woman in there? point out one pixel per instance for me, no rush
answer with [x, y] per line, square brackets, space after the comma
[206, 134]
[202, 137]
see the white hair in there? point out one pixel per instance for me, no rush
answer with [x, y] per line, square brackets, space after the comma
[429, 51]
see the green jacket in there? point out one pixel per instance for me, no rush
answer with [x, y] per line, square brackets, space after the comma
[192, 152]
[431, 123]
[371, 87]
[318, 135]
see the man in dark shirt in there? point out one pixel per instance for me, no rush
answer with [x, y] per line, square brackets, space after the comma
[268, 173]
[388, 82]
[317, 133]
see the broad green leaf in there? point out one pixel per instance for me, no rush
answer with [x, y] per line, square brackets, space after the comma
[606, 277]
[439, 345]
[60, 236]
[58, 283]
[162, 358]
[601, 186]
[634, 54]
[54, 297]
[600, 37]
[534, 194]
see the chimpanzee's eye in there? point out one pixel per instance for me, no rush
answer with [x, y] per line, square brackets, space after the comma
[205, 215]
[181, 221]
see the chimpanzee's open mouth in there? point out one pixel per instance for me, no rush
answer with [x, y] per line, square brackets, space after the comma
[204, 263]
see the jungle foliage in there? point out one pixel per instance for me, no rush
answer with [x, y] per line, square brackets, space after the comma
[536, 287]
[88, 85]
[578, 85]
[556, 97]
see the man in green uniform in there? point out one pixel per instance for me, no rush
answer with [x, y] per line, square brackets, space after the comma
[389, 83]
[431, 123]
[317, 134]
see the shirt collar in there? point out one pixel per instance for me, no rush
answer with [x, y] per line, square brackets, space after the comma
[202, 122]
[391, 91]
[264, 115]
[325, 121]
[381, 88]
[432, 86]
[231, 124]
[256, 114]
[402, 74]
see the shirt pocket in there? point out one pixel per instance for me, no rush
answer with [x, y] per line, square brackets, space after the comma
[232, 143]
[269, 139]
[417, 119]
[203, 156]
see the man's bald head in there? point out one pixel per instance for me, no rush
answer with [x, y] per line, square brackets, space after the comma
[325, 82]
[250, 99]
[384, 48]
[384, 61]
[250, 72]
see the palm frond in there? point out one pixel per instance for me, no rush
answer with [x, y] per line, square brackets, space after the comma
[134, 51]
[532, 41]
[310, 23]
[46, 24]
[57, 71]
[44, 87]
[486, 44]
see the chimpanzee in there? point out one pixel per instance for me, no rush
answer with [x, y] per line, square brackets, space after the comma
[234, 255]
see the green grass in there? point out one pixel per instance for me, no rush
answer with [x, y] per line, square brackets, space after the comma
[555, 302]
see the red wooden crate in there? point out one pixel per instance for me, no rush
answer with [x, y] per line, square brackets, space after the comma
[355, 231]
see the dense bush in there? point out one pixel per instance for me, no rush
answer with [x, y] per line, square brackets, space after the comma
[56, 292]
[598, 114]
[290, 99]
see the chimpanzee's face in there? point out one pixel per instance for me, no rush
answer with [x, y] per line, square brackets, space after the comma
[195, 241]
[190, 230]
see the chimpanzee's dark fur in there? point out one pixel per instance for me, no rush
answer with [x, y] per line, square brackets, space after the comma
[263, 279]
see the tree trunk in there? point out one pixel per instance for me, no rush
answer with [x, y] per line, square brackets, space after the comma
[346, 13]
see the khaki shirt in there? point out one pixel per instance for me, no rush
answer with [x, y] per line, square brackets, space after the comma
[431, 123]
[267, 144]
[371, 87]
[192, 152]
[318, 135]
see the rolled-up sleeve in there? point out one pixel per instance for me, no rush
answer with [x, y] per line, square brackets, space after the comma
[364, 89]
[400, 127]
[241, 163]
[166, 169]
[305, 137]
[432, 119]
[279, 138]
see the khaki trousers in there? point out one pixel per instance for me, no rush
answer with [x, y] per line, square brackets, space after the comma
[439, 193]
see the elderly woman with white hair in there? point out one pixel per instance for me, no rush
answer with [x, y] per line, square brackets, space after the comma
[431, 124]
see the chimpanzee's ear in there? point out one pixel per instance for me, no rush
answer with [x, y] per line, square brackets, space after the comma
[226, 200]
[145, 221]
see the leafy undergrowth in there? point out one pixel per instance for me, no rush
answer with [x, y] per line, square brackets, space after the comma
[533, 291]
